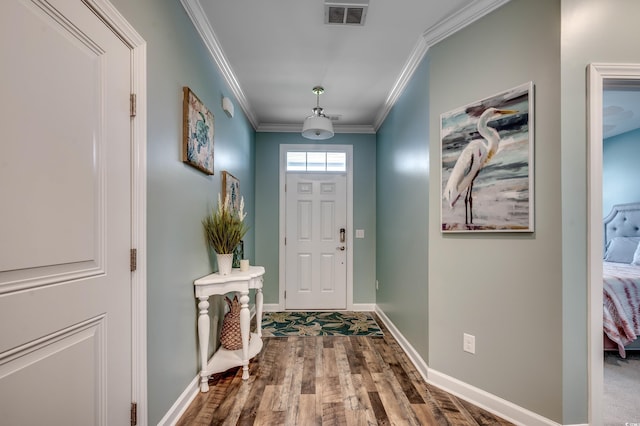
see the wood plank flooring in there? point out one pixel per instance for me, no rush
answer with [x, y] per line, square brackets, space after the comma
[330, 381]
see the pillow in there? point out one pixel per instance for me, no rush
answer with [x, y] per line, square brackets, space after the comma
[622, 250]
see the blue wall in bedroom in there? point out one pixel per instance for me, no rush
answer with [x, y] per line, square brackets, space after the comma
[620, 170]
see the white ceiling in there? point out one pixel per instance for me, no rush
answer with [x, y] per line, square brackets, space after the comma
[273, 52]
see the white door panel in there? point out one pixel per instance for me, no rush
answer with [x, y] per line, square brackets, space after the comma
[54, 187]
[316, 262]
[80, 350]
[65, 224]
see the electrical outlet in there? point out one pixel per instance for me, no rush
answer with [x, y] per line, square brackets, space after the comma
[469, 343]
[377, 286]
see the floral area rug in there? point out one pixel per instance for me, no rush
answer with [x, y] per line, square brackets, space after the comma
[282, 324]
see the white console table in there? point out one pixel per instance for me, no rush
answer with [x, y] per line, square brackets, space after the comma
[239, 282]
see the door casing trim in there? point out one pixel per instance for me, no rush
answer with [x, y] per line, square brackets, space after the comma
[138, 46]
[597, 73]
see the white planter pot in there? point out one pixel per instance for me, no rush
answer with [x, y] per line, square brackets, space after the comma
[225, 263]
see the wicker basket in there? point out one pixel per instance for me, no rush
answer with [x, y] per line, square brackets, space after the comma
[230, 336]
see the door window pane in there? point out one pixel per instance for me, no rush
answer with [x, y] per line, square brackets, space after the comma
[316, 161]
[296, 161]
[336, 161]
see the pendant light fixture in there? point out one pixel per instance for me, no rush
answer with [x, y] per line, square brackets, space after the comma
[317, 126]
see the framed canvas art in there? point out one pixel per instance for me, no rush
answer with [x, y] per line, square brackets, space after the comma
[197, 133]
[487, 164]
[231, 187]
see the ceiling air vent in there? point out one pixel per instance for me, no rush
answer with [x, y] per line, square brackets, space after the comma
[350, 12]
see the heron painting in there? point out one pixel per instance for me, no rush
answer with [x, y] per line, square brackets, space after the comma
[487, 164]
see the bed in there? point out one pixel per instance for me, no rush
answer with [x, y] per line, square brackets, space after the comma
[621, 278]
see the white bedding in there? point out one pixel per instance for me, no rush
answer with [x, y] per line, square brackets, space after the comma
[621, 300]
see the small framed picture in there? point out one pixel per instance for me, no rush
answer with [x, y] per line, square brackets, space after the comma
[231, 187]
[238, 254]
[197, 133]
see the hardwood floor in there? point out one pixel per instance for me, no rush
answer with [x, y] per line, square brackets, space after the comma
[330, 381]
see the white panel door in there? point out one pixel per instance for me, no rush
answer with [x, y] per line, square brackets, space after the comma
[65, 217]
[316, 260]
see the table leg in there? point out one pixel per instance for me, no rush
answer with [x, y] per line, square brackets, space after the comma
[259, 312]
[244, 332]
[203, 340]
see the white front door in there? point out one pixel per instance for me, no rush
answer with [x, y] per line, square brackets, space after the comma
[65, 217]
[316, 222]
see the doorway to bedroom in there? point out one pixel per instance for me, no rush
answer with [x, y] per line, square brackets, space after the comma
[614, 131]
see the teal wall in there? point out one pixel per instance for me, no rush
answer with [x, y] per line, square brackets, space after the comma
[506, 288]
[402, 208]
[179, 196]
[471, 276]
[593, 31]
[620, 171]
[267, 175]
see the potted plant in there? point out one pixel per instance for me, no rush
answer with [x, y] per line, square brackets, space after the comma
[224, 228]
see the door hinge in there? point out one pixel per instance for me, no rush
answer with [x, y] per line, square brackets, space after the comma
[285, 241]
[132, 102]
[134, 414]
[285, 294]
[134, 259]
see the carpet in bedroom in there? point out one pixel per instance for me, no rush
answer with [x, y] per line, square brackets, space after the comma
[621, 400]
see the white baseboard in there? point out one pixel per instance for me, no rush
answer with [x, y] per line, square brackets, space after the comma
[411, 352]
[182, 403]
[492, 403]
[363, 307]
[271, 307]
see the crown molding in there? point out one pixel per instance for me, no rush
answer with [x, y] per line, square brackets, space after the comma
[436, 33]
[201, 23]
[279, 128]
[297, 128]
[418, 52]
[465, 16]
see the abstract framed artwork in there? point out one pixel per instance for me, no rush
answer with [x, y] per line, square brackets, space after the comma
[231, 187]
[487, 164]
[197, 133]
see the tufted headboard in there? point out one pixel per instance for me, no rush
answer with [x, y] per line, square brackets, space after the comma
[623, 221]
